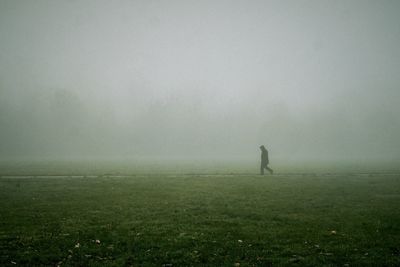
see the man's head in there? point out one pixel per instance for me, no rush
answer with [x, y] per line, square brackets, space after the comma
[262, 148]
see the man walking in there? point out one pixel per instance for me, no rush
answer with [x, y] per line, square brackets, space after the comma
[264, 161]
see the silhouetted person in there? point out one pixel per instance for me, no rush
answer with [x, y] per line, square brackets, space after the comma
[264, 160]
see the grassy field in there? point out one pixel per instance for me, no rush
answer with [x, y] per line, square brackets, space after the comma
[200, 220]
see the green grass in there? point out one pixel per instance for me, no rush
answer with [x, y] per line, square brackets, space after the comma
[201, 220]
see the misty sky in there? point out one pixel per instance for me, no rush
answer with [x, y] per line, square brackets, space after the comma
[309, 79]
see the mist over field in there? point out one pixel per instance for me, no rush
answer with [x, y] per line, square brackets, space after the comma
[311, 80]
[131, 133]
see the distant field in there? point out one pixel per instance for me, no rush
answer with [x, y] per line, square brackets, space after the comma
[199, 220]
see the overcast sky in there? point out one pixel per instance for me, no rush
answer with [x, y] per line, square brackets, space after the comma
[308, 79]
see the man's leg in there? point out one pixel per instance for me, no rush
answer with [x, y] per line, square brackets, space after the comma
[269, 169]
[262, 169]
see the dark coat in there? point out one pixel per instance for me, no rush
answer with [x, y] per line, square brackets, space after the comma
[264, 157]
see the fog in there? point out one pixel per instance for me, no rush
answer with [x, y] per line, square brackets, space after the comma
[200, 79]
